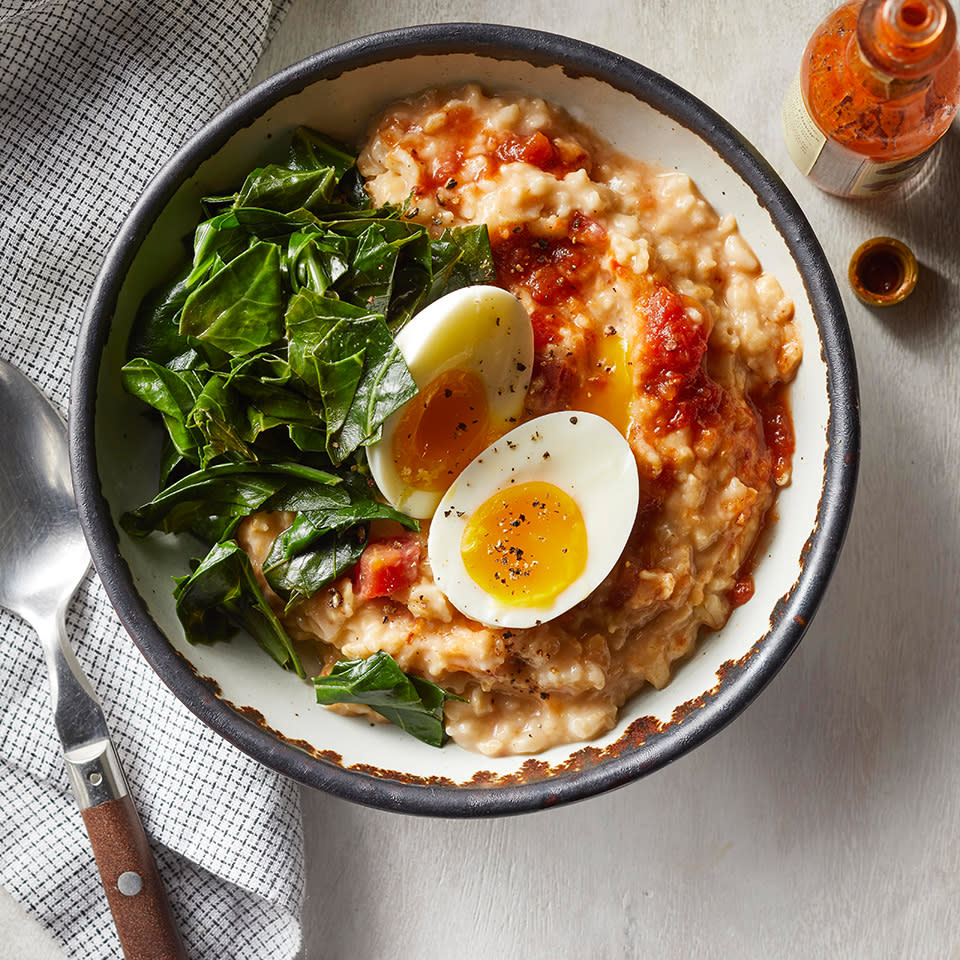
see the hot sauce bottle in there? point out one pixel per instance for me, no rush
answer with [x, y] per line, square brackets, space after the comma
[878, 86]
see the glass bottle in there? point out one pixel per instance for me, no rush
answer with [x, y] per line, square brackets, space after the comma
[878, 86]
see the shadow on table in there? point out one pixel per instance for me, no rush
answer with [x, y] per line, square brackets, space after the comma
[923, 215]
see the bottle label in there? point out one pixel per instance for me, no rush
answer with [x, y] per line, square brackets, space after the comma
[831, 166]
[805, 141]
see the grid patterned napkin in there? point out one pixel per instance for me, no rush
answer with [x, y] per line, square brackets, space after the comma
[94, 96]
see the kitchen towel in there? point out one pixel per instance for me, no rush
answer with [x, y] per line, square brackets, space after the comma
[94, 96]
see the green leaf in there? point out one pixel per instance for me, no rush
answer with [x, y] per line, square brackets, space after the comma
[331, 556]
[216, 242]
[240, 308]
[411, 703]
[327, 536]
[223, 592]
[349, 358]
[156, 331]
[310, 150]
[224, 490]
[308, 439]
[351, 188]
[317, 260]
[279, 188]
[391, 265]
[174, 394]
[220, 419]
[269, 386]
[461, 258]
[273, 226]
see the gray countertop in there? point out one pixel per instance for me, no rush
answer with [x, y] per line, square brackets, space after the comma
[823, 823]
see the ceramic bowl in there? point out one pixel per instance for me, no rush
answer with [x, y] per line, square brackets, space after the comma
[268, 712]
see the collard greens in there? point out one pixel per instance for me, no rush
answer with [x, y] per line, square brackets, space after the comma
[270, 359]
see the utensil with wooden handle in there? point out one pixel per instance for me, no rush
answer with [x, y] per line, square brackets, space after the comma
[43, 558]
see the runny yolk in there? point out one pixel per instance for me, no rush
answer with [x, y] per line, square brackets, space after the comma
[443, 428]
[608, 389]
[526, 544]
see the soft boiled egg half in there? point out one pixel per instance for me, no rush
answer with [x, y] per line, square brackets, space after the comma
[534, 524]
[526, 520]
[470, 354]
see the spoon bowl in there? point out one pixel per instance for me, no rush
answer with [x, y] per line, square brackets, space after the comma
[43, 554]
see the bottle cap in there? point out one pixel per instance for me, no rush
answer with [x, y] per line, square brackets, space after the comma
[906, 38]
[883, 271]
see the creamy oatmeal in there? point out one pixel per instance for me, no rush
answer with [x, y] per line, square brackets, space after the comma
[649, 309]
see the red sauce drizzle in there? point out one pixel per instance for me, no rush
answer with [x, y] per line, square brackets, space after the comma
[742, 589]
[675, 348]
[552, 271]
[773, 409]
[540, 151]
[536, 150]
[462, 126]
[545, 325]
[547, 269]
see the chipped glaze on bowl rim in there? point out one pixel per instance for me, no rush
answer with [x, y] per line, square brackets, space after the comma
[648, 743]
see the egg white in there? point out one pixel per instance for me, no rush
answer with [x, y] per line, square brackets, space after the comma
[481, 329]
[587, 458]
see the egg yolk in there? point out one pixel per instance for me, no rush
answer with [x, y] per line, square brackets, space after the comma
[526, 544]
[608, 389]
[443, 428]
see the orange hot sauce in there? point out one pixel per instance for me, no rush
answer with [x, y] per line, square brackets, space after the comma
[878, 85]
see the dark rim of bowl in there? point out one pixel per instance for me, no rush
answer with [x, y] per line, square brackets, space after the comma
[793, 612]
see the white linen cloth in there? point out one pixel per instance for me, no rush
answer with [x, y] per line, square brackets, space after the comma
[94, 97]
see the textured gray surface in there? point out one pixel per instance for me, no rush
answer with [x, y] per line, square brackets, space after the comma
[823, 822]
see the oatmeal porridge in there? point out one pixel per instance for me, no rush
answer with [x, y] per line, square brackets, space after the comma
[648, 309]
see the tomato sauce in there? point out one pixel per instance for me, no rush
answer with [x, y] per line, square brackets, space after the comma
[673, 360]
[446, 169]
[773, 411]
[742, 590]
[551, 270]
[462, 127]
[773, 408]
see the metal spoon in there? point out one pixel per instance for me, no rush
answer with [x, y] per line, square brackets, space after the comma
[43, 558]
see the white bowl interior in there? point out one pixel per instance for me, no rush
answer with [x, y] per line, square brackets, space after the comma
[342, 107]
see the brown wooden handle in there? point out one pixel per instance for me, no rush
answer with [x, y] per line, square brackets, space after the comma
[130, 877]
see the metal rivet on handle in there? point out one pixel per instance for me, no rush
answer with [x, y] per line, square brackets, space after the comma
[129, 883]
